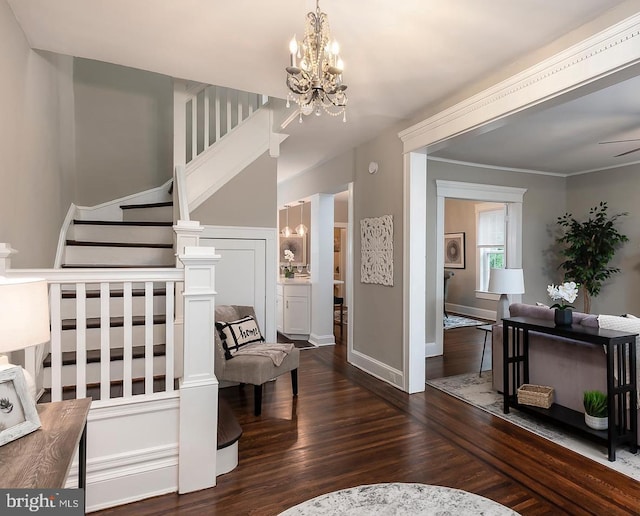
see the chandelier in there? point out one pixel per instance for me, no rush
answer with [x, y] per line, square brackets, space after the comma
[315, 75]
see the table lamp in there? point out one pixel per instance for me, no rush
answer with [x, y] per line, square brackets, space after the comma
[24, 318]
[504, 282]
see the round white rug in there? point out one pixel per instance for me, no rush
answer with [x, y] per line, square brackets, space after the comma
[399, 499]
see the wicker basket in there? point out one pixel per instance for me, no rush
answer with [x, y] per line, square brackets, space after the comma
[535, 395]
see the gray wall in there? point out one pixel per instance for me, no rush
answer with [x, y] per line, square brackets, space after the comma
[124, 130]
[341, 211]
[543, 202]
[377, 309]
[35, 143]
[249, 199]
[460, 216]
[620, 189]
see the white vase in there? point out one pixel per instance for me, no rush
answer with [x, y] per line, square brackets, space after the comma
[597, 423]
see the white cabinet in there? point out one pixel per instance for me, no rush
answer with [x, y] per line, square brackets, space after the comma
[280, 310]
[293, 309]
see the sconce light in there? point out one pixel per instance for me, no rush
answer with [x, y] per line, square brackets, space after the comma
[301, 229]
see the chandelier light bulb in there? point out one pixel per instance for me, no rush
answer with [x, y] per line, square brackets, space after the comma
[293, 45]
[340, 64]
[335, 48]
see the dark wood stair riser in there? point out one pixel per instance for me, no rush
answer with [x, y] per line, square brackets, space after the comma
[82, 243]
[146, 205]
[111, 266]
[116, 322]
[93, 355]
[149, 223]
[92, 294]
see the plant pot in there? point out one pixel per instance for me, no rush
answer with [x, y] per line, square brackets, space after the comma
[597, 423]
[288, 274]
[563, 317]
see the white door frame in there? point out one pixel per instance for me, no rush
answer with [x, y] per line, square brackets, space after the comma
[474, 192]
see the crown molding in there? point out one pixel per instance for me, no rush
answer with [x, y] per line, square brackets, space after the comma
[598, 56]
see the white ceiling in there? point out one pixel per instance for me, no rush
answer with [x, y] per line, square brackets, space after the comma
[400, 57]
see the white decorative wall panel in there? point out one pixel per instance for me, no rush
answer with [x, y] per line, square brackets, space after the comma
[377, 250]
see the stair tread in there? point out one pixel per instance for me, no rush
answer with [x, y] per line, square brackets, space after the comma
[146, 205]
[111, 266]
[136, 292]
[116, 322]
[167, 223]
[229, 430]
[137, 245]
[93, 355]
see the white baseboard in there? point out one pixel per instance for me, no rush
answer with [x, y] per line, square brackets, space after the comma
[322, 340]
[471, 311]
[376, 368]
[431, 350]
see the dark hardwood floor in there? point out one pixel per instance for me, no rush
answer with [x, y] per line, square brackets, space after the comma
[347, 428]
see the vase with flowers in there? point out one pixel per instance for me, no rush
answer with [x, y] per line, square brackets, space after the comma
[288, 270]
[566, 293]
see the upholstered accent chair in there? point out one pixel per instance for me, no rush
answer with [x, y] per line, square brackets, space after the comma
[251, 369]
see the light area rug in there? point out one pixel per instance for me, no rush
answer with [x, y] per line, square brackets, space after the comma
[458, 321]
[477, 391]
[399, 499]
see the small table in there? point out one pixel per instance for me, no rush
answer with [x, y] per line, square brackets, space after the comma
[42, 459]
[487, 329]
[621, 392]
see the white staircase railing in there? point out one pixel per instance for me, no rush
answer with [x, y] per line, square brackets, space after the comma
[217, 133]
[212, 112]
[75, 282]
[190, 415]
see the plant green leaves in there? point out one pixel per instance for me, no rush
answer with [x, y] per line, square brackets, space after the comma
[588, 247]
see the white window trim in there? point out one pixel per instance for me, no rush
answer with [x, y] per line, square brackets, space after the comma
[488, 206]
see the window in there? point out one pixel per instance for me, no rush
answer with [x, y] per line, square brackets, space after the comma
[490, 241]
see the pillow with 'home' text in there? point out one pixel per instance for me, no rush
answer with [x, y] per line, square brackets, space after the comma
[236, 334]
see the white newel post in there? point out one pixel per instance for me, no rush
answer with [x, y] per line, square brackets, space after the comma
[187, 235]
[5, 257]
[199, 386]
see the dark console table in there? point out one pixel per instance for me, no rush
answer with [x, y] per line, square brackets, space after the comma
[621, 378]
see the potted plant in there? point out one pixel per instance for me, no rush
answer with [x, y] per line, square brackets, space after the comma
[288, 270]
[567, 293]
[588, 247]
[595, 410]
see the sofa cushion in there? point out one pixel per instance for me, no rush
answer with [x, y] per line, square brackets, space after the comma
[236, 334]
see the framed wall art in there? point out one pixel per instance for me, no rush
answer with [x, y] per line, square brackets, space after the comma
[454, 252]
[297, 245]
[18, 414]
[376, 240]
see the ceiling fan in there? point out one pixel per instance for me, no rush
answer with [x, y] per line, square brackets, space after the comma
[623, 141]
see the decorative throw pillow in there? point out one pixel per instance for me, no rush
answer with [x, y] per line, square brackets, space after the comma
[236, 334]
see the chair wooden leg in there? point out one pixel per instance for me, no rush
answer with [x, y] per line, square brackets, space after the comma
[294, 381]
[257, 397]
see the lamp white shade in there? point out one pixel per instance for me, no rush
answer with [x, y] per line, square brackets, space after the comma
[503, 282]
[506, 281]
[24, 313]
